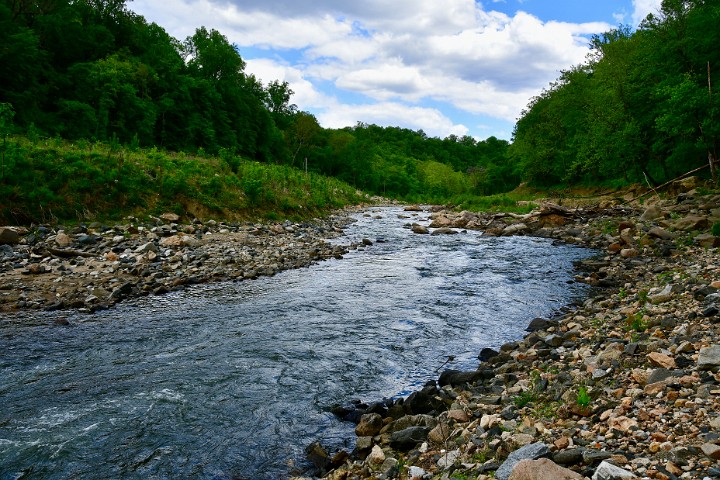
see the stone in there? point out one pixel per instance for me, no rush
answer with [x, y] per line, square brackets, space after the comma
[629, 253]
[652, 213]
[448, 459]
[661, 360]
[538, 324]
[458, 415]
[377, 456]
[170, 217]
[661, 233]
[63, 240]
[570, 456]
[692, 222]
[542, 469]
[711, 450]
[608, 471]
[456, 377]
[514, 229]
[709, 358]
[420, 229]
[662, 296]
[408, 438]
[444, 231]
[622, 423]
[369, 426]
[439, 434]
[486, 354]
[707, 240]
[416, 473]
[533, 451]
[9, 236]
[318, 456]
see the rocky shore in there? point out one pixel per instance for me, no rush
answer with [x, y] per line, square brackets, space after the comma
[91, 267]
[623, 386]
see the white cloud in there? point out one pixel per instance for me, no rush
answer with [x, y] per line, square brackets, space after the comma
[403, 54]
[643, 8]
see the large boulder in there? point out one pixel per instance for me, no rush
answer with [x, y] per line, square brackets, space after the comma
[408, 438]
[528, 452]
[9, 236]
[542, 469]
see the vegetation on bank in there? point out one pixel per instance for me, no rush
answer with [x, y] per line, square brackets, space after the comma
[150, 122]
[52, 180]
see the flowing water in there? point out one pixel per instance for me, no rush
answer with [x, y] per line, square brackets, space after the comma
[233, 380]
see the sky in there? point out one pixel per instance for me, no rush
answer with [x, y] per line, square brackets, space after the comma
[446, 67]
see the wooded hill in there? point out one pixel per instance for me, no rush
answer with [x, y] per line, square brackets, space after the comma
[92, 72]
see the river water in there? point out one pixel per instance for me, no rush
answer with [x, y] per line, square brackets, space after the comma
[233, 380]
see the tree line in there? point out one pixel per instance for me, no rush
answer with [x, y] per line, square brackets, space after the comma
[641, 108]
[96, 71]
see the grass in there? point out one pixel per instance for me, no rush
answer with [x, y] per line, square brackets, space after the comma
[51, 180]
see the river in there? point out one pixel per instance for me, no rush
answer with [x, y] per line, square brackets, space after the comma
[233, 380]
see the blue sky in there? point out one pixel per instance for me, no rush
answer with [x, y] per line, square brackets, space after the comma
[446, 67]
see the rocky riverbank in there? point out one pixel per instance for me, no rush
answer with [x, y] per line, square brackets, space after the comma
[91, 267]
[623, 386]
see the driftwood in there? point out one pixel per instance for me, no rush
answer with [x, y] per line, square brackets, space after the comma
[67, 253]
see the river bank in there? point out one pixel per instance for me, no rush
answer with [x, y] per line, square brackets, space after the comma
[623, 386]
[92, 267]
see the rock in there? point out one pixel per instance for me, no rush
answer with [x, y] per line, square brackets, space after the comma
[692, 222]
[528, 452]
[608, 471]
[542, 469]
[514, 229]
[458, 416]
[416, 473]
[170, 217]
[538, 324]
[9, 236]
[419, 229]
[709, 358]
[377, 456]
[147, 247]
[661, 233]
[318, 456]
[408, 438]
[413, 208]
[448, 459]
[456, 377]
[572, 456]
[711, 450]
[629, 253]
[486, 354]
[707, 240]
[439, 434]
[440, 221]
[661, 360]
[369, 426]
[662, 296]
[63, 240]
[444, 231]
[652, 213]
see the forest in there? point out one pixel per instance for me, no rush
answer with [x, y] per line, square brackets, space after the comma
[641, 108]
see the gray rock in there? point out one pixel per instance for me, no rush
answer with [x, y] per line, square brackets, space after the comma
[709, 358]
[608, 471]
[444, 231]
[570, 456]
[554, 340]
[528, 452]
[594, 456]
[541, 324]
[408, 438]
[652, 213]
[660, 233]
[660, 375]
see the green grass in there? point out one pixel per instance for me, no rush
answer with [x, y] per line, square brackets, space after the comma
[51, 180]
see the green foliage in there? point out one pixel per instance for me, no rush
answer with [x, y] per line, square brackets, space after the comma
[583, 398]
[639, 109]
[636, 322]
[716, 229]
[109, 181]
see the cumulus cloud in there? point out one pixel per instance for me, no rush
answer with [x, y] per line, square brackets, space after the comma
[402, 55]
[643, 8]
